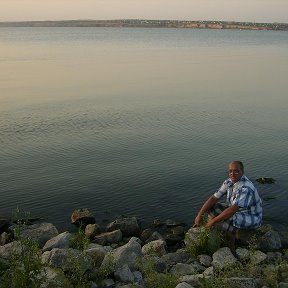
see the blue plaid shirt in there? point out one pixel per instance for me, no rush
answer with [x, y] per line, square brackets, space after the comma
[243, 194]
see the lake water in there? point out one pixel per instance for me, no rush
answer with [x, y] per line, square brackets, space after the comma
[139, 122]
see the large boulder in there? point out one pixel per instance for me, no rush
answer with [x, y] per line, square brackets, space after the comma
[223, 258]
[97, 253]
[157, 247]
[180, 256]
[68, 260]
[39, 233]
[91, 230]
[11, 249]
[53, 278]
[270, 241]
[126, 254]
[241, 282]
[112, 237]
[60, 241]
[124, 274]
[128, 226]
[192, 235]
[83, 216]
[181, 269]
[184, 285]
[258, 257]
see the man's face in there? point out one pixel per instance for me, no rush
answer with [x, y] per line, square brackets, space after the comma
[235, 172]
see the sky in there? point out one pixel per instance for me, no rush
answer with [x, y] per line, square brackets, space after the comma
[229, 10]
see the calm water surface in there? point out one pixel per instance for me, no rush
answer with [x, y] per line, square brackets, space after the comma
[140, 122]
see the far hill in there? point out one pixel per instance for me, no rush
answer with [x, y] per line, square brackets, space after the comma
[151, 24]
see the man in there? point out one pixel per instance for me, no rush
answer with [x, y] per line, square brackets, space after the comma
[243, 209]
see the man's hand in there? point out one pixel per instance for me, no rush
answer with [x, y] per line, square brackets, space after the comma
[198, 220]
[210, 223]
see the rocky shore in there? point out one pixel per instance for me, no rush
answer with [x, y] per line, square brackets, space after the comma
[123, 255]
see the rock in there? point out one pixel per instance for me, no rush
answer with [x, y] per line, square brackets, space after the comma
[40, 233]
[114, 236]
[194, 280]
[82, 216]
[91, 230]
[270, 241]
[181, 269]
[155, 236]
[183, 285]
[178, 230]
[60, 241]
[158, 264]
[157, 223]
[265, 228]
[4, 238]
[180, 256]
[126, 254]
[199, 268]
[8, 250]
[192, 235]
[97, 254]
[107, 283]
[5, 223]
[172, 239]
[128, 226]
[241, 282]
[205, 260]
[265, 180]
[156, 247]
[284, 239]
[138, 277]
[274, 257]
[146, 234]
[53, 278]
[171, 223]
[257, 257]
[242, 253]
[109, 237]
[124, 274]
[209, 272]
[222, 258]
[100, 239]
[69, 260]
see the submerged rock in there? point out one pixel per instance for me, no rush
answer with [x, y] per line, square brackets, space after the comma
[265, 180]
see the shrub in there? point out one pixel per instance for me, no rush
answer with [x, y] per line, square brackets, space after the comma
[154, 279]
[207, 242]
[80, 241]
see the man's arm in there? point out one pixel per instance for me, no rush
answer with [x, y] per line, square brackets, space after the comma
[207, 205]
[227, 213]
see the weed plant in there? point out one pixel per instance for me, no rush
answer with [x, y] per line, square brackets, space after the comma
[80, 241]
[24, 269]
[154, 279]
[207, 242]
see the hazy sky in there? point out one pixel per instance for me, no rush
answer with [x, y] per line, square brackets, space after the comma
[238, 10]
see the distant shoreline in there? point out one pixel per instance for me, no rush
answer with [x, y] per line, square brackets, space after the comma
[151, 24]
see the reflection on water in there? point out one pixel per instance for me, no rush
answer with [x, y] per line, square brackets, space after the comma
[147, 118]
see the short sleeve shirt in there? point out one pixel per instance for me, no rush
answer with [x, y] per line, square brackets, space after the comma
[243, 194]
